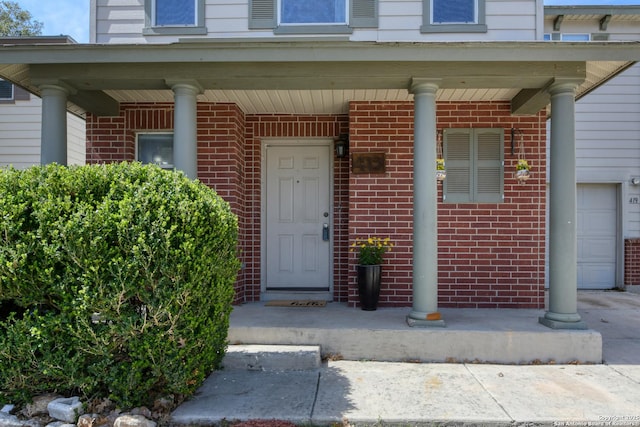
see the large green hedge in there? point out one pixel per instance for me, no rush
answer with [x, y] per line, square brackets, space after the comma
[115, 280]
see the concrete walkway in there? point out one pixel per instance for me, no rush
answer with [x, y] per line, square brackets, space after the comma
[616, 315]
[366, 392]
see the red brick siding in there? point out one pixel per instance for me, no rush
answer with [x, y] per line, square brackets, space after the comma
[221, 166]
[107, 139]
[381, 204]
[490, 255]
[113, 139]
[632, 262]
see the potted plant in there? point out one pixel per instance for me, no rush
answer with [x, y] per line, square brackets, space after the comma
[522, 170]
[369, 268]
[441, 171]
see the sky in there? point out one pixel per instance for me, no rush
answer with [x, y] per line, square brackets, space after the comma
[71, 17]
[67, 17]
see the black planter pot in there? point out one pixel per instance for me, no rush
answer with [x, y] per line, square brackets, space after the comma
[369, 285]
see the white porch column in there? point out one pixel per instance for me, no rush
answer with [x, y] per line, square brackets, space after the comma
[185, 127]
[563, 259]
[425, 207]
[53, 141]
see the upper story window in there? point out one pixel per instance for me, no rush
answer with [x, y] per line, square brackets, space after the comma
[453, 16]
[568, 37]
[454, 12]
[10, 93]
[6, 90]
[174, 13]
[312, 16]
[178, 17]
[313, 12]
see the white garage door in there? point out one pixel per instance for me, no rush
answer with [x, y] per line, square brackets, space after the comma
[597, 231]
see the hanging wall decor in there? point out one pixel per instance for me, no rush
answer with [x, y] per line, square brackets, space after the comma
[368, 163]
[441, 170]
[523, 170]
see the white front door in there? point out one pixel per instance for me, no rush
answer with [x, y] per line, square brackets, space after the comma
[597, 232]
[297, 218]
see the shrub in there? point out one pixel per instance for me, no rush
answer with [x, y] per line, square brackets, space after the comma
[115, 280]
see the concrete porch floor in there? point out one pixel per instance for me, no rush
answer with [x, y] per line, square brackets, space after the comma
[505, 336]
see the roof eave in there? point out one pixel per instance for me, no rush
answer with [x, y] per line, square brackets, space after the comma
[323, 51]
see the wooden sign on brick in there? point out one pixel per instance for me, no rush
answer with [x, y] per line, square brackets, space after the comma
[367, 163]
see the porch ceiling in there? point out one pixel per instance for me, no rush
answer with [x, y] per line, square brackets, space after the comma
[313, 76]
[311, 101]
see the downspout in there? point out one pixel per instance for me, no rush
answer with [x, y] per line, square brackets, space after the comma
[539, 28]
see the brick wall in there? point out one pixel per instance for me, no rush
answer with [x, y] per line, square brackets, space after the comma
[107, 139]
[490, 255]
[221, 166]
[381, 204]
[632, 262]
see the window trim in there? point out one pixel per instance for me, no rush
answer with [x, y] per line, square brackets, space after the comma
[12, 98]
[479, 27]
[311, 28]
[473, 196]
[17, 94]
[557, 36]
[347, 6]
[264, 15]
[151, 29]
[566, 37]
[168, 166]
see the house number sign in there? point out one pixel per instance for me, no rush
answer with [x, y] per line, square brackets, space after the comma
[367, 163]
[634, 201]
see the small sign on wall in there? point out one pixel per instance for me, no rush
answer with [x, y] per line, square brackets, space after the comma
[367, 163]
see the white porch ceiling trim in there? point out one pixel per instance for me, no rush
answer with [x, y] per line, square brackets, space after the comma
[310, 101]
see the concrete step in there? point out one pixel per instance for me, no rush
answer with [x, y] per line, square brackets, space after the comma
[272, 357]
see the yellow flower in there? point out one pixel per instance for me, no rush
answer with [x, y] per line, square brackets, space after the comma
[372, 249]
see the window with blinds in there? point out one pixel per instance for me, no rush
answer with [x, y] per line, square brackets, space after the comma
[6, 90]
[474, 160]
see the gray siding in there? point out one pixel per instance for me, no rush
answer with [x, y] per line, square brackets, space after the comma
[608, 141]
[20, 133]
[607, 145]
[76, 140]
[608, 126]
[122, 21]
[20, 126]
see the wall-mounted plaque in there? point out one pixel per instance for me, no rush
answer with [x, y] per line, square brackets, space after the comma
[367, 163]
